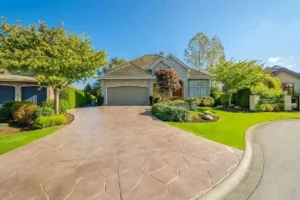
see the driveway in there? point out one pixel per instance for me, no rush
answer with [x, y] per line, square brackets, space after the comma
[281, 152]
[115, 153]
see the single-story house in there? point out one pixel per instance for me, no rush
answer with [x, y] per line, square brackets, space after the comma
[22, 87]
[290, 80]
[134, 82]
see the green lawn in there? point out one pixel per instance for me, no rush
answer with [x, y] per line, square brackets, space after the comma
[231, 127]
[10, 142]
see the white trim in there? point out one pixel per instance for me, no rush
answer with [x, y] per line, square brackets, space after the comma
[126, 77]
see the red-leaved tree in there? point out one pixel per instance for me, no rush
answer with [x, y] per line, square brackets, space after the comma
[167, 80]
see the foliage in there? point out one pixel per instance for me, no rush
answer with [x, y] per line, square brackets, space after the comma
[49, 121]
[111, 64]
[215, 93]
[5, 111]
[238, 75]
[230, 130]
[174, 102]
[76, 98]
[203, 53]
[10, 142]
[22, 113]
[206, 101]
[167, 80]
[63, 105]
[265, 107]
[164, 100]
[57, 57]
[100, 100]
[2, 126]
[194, 114]
[166, 112]
[270, 87]
[210, 99]
[43, 111]
[191, 100]
[270, 105]
[208, 112]
[242, 98]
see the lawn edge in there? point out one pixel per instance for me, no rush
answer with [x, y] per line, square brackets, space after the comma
[243, 180]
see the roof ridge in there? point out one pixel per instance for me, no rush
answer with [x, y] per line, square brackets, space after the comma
[140, 68]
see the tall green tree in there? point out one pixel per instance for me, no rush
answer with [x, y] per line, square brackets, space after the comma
[57, 57]
[111, 64]
[238, 75]
[204, 53]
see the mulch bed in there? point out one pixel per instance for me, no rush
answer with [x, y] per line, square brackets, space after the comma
[200, 120]
[70, 118]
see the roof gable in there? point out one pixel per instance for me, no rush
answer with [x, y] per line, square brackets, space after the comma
[275, 70]
[195, 74]
[128, 69]
[146, 61]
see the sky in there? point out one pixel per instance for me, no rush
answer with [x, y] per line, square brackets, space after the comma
[265, 30]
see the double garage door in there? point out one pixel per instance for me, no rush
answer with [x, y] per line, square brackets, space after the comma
[127, 95]
[7, 93]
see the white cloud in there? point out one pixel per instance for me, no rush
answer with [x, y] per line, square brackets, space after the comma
[273, 59]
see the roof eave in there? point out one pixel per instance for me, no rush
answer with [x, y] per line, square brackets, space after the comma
[126, 77]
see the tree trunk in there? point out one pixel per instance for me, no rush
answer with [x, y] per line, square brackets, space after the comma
[229, 101]
[56, 100]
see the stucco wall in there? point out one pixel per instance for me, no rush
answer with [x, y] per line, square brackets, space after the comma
[125, 82]
[287, 78]
[18, 87]
[181, 71]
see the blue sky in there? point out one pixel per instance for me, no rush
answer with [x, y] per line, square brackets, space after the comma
[266, 30]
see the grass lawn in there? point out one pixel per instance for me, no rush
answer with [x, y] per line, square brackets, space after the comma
[231, 127]
[10, 142]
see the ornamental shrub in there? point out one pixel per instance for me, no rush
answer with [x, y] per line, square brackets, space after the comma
[43, 111]
[174, 102]
[207, 112]
[100, 100]
[5, 111]
[75, 98]
[63, 105]
[22, 113]
[264, 107]
[166, 112]
[49, 121]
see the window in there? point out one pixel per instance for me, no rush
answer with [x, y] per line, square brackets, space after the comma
[288, 87]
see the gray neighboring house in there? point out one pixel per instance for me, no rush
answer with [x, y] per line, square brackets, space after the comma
[22, 87]
[290, 79]
[134, 82]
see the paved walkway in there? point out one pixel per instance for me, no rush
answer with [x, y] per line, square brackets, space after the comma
[115, 153]
[280, 143]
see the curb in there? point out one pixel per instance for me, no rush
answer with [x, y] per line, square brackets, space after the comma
[236, 185]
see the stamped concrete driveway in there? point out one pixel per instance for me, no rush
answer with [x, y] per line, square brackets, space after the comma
[115, 153]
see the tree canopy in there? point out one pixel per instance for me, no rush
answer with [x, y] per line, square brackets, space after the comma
[57, 57]
[238, 75]
[111, 64]
[204, 53]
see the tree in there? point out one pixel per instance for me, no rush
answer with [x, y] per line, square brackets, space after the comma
[57, 57]
[111, 64]
[167, 80]
[238, 75]
[203, 53]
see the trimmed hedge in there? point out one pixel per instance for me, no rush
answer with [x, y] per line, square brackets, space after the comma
[49, 121]
[75, 98]
[43, 111]
[166, 112]
[242, 98]
[63, 105]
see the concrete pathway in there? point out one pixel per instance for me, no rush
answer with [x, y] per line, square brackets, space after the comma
[280, 143]
[115, 153]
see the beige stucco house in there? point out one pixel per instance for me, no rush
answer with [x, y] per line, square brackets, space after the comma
[134, 82]
[22, 87]
[290, 80]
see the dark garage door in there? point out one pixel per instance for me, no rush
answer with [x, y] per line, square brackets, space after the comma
[127, 95]
[34, 94]
[7, 93]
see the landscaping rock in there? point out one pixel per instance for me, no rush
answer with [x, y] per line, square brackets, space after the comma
[207, 117]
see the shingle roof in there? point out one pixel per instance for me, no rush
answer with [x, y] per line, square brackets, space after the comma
[128, 69]
[17, 78]
[146, 61]
[196, 73]
[276, 69]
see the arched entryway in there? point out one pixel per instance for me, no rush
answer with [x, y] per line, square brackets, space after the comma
[179, 92]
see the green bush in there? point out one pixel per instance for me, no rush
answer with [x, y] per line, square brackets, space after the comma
[22, 113]
[265, 107]
[164, 101]
[166, 112]
[75, 98]
[207, 112]
[224, 99]
[63, 105]
[49, 121]
[206, 101]
[242, 98]
[5, 111]
[174, 102]
[43, 111]
[100, 100]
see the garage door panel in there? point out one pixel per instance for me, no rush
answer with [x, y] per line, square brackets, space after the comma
[34, 94]
[7, 93]
[127, 95]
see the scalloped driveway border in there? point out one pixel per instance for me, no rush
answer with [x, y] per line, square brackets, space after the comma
[115, 153]
[240, 184]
